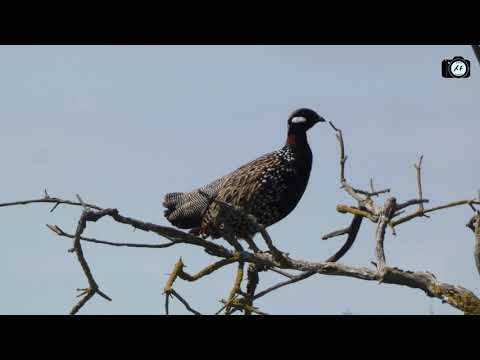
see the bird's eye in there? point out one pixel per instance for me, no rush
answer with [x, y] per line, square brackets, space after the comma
[298, 119]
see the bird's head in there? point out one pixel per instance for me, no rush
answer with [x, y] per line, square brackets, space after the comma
[302, 120]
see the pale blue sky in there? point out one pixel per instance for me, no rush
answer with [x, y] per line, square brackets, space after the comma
[122, 125]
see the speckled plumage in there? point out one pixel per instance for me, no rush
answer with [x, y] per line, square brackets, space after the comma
[269, 187]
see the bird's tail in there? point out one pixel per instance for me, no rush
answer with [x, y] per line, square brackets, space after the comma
[171, 201]
[185, 210]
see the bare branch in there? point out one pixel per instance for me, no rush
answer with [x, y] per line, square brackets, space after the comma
[49, 200]
[336, 233]
[354, 228]
[60, 232]
[427, 211]
[418, 167]
[408, 203]
[343, 159]
[371, 193]
[297, 278]
[184, 302]
[456, 296]
[93, 289]
[385, 216]
[209, 269]
[344, 209]
[284, 273]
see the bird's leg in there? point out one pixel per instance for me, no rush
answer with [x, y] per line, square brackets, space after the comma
[251, 244]
[232, 240]
[200, 232]
[195, 231]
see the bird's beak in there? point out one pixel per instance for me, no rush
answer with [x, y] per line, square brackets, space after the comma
[320, 119]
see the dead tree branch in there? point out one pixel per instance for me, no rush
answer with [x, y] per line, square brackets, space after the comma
[383, 216]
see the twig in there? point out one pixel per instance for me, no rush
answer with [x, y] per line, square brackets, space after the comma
[427, 211]
[418, 167]
[184, 302]
[344, 209]
[371, 193]
[354, 228]
[293, 280]
[408, 203]
[93, 288]
[284, 273]
[48, 200]
[57, 230]
[167, 303]
[336, 233]
[209, 269]
[343, 159]
[453, 204]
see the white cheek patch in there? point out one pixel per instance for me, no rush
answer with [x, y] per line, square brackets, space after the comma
[298, 119]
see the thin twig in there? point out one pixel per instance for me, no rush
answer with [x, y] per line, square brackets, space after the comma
[60, 232]
[284, 273]
[418, 167]
[48, 200]
[354, 228]
[87, 215]
[371, 193]
[427, 211]
[336, 233]
[293, 280]
[411, 203]
[344, 209]
[184, 302]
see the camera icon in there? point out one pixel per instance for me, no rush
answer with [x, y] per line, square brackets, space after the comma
[458, 67]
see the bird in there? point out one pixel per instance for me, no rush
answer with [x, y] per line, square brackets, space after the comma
[269, 188]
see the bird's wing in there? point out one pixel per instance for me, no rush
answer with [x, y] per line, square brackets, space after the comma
[243, 183]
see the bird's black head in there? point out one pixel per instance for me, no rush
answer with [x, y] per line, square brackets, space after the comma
[303, 119]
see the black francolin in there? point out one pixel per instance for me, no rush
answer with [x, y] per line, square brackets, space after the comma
[269, 187]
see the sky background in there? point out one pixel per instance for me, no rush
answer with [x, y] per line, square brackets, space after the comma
[123, 125]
